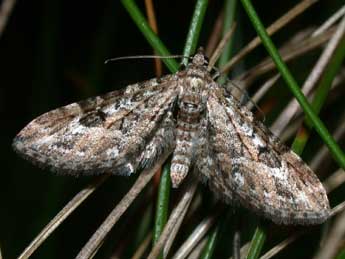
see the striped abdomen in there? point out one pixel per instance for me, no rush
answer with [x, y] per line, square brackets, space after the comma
[188, 123]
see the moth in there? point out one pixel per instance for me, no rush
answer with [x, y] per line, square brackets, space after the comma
[196, 119]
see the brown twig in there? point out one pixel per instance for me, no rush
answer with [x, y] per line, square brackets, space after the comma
[197, 251]
[236, 245]
[171, 237]
[276, 26]
[175, 216]
[244, 250]
[313, 78]
[5, 12]
[333, 19]
[263, 90]
[335, 180]
[289, 52]
[333, 95]
[129, 225]
[220, 47]
[150, 12]
[142, 247]
[215, 35]
[337, 209]
[276, 249]
[195, 237]
[334, 239]
[61, 216]
[97, 238]
[320, 156]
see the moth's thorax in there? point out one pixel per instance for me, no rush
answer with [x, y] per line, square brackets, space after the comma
[192, 93]
[194, 83]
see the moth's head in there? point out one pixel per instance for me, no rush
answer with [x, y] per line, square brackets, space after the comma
[199, 58]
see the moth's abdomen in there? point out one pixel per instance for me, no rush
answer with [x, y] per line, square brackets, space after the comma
[188, 123]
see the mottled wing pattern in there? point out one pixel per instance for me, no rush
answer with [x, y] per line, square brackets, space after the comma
[207, 168]
[191, 116]
[258, 171]
[116, 132]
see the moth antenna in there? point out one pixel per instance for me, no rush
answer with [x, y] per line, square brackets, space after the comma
[143, 56]
[220, 47]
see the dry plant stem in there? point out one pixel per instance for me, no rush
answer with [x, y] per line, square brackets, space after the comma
[291, 129]
[312, 79]
[334, 18]
[131, 223]
[143, 246]
[220, 47]
[277, 25]
[174, 218]
[262, 91]
[61, 216]
[190, 209]
[243, 251]
[153, 24]
[215, 35]
[195, 237]
[5, 12]
[335, 180]
[340, 78]
[334, 239]
[276, 249]
[97, 238]
[289, 52]
[340, 207]
[330, 185]
[293, 126]
[174, 231]
[236, 245]
[197, 251]
[323, 152]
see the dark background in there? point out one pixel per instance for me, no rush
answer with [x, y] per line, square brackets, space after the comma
[52, 54]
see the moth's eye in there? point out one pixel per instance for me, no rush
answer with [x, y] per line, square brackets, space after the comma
[190, 105]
